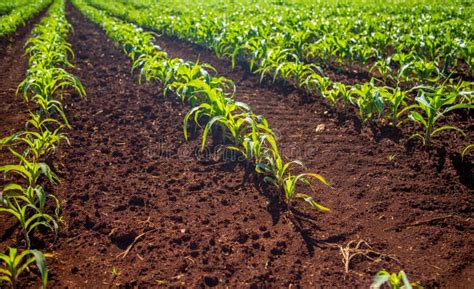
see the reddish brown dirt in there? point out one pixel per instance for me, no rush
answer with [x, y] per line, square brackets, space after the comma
[129, 171]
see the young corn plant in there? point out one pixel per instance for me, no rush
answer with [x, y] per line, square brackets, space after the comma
[252, 147]
[230, 114]
[190, 79]
[339, 91]
[289, 186]
[259, 49]
[405, 62]
[42, 127]
[464, 89]
[254, 144]
[299, 72]
[275, 59]
[42, 124]
[235, 127]
[394, 101]
[44, 50]
[15, 263]
[156, 67]
[28, 206]
[38, 145]
[317, 83]
[383, 67]
[369, 100]
[426, 71]
[44, 84]
[34, 196]
[30, 171]
[278, 173]
[430, 107]
[393, 280]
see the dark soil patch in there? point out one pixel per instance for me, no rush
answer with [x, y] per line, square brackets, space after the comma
[206, 223]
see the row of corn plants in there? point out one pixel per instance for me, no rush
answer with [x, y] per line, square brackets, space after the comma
[9, 5]
[26, 196]
[423, 101]
[212, 105]
[19, 13]
[342, 34]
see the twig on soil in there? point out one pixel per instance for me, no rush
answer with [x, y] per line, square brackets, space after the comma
[125, 253]
[417, 223]
[148, 221]
[348, 253]
[112, 232]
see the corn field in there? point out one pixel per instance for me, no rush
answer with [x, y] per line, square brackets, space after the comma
[236, 144]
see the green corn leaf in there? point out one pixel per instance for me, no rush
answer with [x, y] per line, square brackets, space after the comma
[311, 201]
[380, 279]
[447, 127]
[42, 266]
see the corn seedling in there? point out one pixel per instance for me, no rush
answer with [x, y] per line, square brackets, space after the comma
[383, 67]
[317, 83]
[427, 71]
[434, 106]
[394, 280]
[395, 100]
[339, 91]
[253, 146]
[278, 173]
[236, 126]
[43, 84]
[289, 186]
[28, 207]
[391, 157]
[36, 197]
[369, 100]
[38, 144]
[30, 171]
[15, 263]
[219, 109]
[115, 272]
[42, 124]
[275, 59]
[272, 165]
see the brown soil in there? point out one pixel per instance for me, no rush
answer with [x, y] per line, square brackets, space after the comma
[207, 223]
[13, 66]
